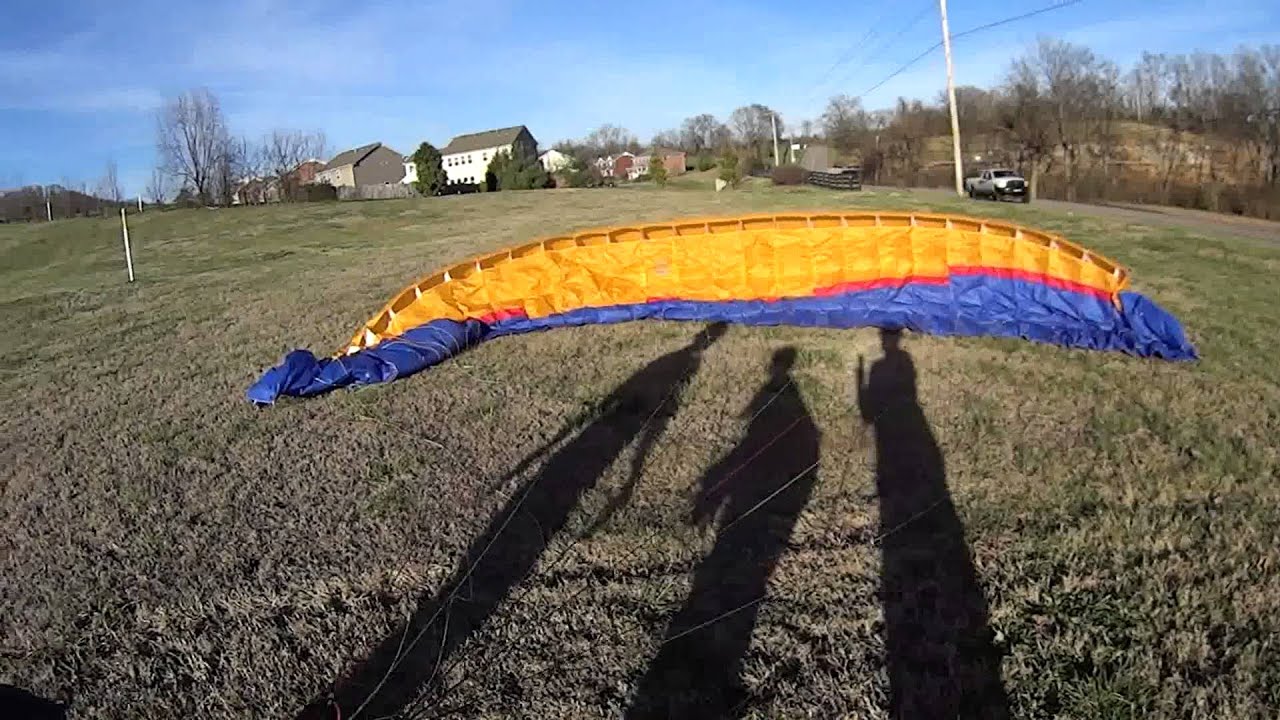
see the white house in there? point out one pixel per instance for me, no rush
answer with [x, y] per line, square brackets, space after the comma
[410, 171]
[466, 157]
[554, 160]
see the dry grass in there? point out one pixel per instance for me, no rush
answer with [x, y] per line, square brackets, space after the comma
[171, 551]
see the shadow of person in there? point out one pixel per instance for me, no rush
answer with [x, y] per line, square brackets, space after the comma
[759, 488]
[405, 664]
[18, 703]
[938, 640]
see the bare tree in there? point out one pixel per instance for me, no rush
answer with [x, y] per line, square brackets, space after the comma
[665, 139]
[611, 140]
[703, 133]
[752, 125]
[109, 185]
[1027, 117]
[1074, 83]
[158, 187]
[193, 143]
[844, 123]
[283, 151]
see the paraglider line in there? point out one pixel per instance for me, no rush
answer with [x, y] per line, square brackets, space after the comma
[453, 594]
[772, 495]
[713, 620]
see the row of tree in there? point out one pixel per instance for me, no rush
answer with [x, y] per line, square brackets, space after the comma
[200, 157]
[1197, 129]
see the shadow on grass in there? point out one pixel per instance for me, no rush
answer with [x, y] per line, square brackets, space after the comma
[759, 490]
[409, 660]
[18, 703]
[941, 660]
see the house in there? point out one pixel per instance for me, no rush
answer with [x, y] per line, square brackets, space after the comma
[618, 166]
[466, 157]
[672, 160]
[410, 171]
[554, 161]
[372, 164]
[251, 191]
[306, 171]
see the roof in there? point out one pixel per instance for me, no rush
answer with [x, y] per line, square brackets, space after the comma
[351, 157]
[482, 140]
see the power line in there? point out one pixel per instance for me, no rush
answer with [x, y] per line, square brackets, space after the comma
[971, 31]
[860, 49]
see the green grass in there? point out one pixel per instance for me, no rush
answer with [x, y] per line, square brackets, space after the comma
[172, 551]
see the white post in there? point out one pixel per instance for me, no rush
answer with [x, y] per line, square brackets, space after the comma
[951, 97]
[48, 209]
[139, 203]
[128, 254]
[773, 120]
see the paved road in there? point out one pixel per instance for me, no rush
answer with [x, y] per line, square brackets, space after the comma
[1153, 215]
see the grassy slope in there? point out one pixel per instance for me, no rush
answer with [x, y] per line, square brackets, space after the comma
[171, 550]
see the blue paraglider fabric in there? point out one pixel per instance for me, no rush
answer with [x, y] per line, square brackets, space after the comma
[975, 305]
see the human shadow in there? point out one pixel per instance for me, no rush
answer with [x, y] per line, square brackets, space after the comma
[405, 664]
[759, 489]
[16, 702]
[941, 658]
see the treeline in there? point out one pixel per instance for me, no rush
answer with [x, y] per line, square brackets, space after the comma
[1199, 130]
[202, 162]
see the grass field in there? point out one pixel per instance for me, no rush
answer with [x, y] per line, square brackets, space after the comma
[171, 551]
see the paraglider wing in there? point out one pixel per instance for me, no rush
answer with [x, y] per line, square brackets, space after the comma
[928, 273]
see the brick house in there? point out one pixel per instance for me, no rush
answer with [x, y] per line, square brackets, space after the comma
[672, 160]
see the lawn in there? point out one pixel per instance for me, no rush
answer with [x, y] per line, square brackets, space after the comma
[1105, 529]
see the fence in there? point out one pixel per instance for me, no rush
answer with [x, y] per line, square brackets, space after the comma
[837, 178]
[376, 192]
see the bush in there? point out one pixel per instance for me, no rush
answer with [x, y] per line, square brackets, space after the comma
[789, 175]
[729, 168]
[643, 177]
[515, 173]
[430, 167]
[658, 170]
[703, 162]
[748, 164]
[318, 192]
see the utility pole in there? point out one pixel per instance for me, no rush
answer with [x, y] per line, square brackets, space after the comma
[773, 120]
[951, 97]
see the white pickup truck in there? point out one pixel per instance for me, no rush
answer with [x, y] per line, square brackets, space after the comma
[998, 184]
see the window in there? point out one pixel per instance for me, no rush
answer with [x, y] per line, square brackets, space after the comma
[1002, 173]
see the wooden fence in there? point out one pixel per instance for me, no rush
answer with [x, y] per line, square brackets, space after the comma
[376, 192]
[837, 178]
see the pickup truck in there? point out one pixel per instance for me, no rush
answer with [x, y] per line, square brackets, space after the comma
[998, 184]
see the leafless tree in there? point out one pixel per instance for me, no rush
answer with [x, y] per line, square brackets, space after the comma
[752, 126]
[109, 185]
[283, 151]
[192, 142]
[844, 123]
[611, 140]
[703, 133]
[158, 187]
[666, 139]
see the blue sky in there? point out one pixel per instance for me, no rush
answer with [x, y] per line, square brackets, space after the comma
[80, 79]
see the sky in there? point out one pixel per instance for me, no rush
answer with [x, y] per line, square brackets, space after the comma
[81, 80]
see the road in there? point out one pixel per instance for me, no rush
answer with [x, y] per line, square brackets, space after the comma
[1152, 215]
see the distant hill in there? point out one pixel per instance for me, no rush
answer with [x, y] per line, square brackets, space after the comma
[27, 204]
